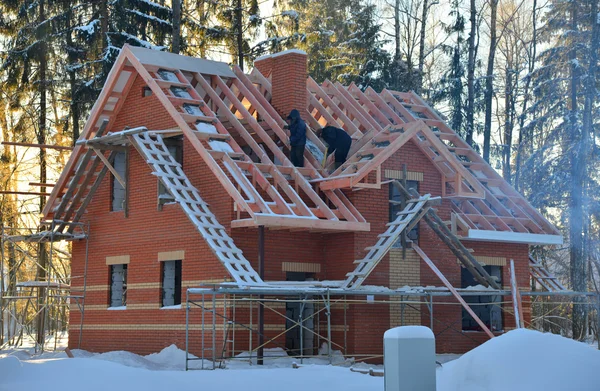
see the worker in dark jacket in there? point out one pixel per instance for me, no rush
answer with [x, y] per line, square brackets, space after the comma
[338, 141]
[297, 129]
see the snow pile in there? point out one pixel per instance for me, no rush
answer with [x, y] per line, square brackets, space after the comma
[524, 360]
[170, 357]
[518, 360]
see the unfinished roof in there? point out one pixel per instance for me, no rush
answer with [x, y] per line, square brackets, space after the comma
[485, 206]
[199, 98]
[220, 110]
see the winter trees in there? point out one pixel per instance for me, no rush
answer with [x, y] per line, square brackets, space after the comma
[565, 97]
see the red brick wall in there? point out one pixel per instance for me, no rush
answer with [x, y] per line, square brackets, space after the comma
[142, 235]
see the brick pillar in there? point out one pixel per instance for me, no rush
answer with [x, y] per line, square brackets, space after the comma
[288, 71]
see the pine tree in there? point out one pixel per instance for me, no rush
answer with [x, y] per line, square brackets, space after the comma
[564, 109]
[452, 84]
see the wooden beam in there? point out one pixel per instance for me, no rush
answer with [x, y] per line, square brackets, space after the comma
[458, 297]
[365, 101]
[33, 193]
[352, 128]
[41, 146]
[41, 184]
[516, 295]
[110, 167]
[300, 222]
[350, 105]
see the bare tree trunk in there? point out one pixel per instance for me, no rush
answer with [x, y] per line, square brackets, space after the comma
[397, 31]
[422, 42]
[509, 109]
[104, 23]
[239, 32]
[532, 59]
[177, 5]
[489, 82]
[471, 76]
[41, 139]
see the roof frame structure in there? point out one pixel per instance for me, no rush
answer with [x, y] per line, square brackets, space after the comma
[265, 191]
[484, 205]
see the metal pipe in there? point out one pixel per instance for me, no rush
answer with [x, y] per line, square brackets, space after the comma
[345, 328]
[202, 331]
[431, 312]
[214, 328]
[187, 328]
[85, 267]
[250, 329]
[402, 310]
[301, 322]
[328, 304]
[261, 308]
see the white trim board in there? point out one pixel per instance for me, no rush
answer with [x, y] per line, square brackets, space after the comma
[513, 237]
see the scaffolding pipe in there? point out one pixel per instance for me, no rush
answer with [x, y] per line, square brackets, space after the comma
[328, 304]
[261, 308]
[301, 322]
[85, 267]
[187, 327]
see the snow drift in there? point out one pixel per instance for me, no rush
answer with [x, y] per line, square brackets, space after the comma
[518, 360]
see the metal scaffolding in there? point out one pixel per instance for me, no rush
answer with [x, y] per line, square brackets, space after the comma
[35, 304]
[217, 305]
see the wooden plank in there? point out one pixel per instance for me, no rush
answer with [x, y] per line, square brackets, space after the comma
[78, 172]
[458, 297]
[383, 106]
[366, 102]
[95, 186]
[83, 190]
[110, 167]
[32, 193]
[352, 128]
[350, 105]
[302, 222]
[41, 146]
[516, 295]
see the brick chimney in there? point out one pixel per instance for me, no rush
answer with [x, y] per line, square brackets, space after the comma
[288, 71]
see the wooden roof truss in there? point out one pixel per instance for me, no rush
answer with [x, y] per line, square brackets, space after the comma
[481, 198]
[264, 193]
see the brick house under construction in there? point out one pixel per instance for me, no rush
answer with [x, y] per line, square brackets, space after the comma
[181, 173]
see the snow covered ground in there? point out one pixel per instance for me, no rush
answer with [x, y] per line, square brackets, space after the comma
[519, 360]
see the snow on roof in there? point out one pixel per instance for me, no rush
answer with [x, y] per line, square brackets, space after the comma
[190, 64]
[297, 51]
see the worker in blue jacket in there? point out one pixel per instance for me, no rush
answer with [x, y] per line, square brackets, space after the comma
[338, 141]
[297, 128]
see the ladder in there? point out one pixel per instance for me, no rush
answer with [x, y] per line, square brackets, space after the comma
[152, 147]
[543, 276]
[453, 242]
[406, 220]
[81, 187]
